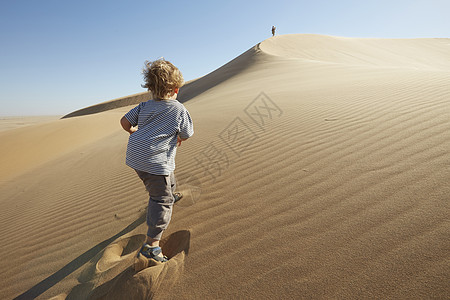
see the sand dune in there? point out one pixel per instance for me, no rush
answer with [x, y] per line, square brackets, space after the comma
[319, 169]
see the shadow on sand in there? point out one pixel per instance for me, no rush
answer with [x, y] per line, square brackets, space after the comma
[56, 277]
[111, 274]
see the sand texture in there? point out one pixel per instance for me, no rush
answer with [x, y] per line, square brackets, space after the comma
[8, 123]
[319, 169]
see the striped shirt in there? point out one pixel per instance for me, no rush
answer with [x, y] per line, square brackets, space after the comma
[152, 148]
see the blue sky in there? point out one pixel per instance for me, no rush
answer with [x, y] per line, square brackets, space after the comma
[58, 56]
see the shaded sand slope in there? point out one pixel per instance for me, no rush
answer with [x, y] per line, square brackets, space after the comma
[125, 101]
[112, 104]
[317, 175]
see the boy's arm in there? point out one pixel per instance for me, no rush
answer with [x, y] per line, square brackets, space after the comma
[126, 125]
[186, 129]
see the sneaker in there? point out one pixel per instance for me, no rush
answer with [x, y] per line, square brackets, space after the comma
[153, 253]
[177, 196]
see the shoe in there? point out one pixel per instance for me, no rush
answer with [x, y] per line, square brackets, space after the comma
[148, 257]
[177, 196]
[152, 253]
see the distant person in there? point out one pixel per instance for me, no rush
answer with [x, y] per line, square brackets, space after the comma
[273, 30]
[162, 124]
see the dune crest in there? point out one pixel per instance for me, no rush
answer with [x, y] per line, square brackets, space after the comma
[112, 104]
[408, 53]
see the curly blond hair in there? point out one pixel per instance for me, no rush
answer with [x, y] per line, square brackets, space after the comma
[161, 78]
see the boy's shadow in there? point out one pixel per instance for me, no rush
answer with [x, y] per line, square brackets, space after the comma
[72, 266]
[110, 274]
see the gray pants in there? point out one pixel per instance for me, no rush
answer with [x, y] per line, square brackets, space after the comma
[159, 212]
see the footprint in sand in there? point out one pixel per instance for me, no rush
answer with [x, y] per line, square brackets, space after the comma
[111, 274]
[190, 187]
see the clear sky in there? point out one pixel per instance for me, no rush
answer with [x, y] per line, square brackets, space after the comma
[57, 56]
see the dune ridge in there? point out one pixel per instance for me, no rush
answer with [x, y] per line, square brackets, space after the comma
[362, 51]
[111, 104]
[335, 187]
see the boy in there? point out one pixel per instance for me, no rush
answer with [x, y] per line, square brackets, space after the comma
[162, 124]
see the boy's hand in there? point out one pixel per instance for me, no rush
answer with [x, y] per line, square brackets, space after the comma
[179, 140]
[132, 130]
[126, 125]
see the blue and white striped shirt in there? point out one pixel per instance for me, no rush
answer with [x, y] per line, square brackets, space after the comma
[153, 146]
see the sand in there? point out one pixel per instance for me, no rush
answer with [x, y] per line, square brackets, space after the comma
[319, 168]
[8, 123]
